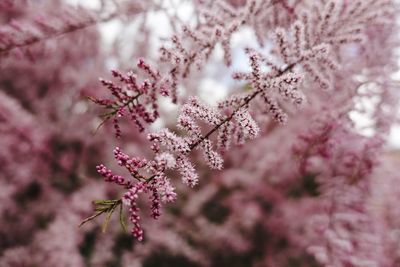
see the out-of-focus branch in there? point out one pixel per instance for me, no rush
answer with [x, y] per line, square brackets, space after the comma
[19, 34]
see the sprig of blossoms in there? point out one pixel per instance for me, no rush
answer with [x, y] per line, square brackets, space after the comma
[138, 98]
[172, 151]
[158, 186]
[302, 57]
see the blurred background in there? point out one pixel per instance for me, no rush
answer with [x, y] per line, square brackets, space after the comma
[49, 149]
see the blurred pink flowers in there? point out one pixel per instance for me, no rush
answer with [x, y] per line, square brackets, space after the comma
[277, 172]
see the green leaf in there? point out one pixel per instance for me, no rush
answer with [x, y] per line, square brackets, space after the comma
[122, 219]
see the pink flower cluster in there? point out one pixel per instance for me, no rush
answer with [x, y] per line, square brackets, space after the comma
[304, 55]
[158, 185]
[137, 98]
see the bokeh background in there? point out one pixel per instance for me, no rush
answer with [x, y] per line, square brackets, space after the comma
[49, 149]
